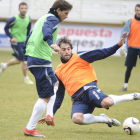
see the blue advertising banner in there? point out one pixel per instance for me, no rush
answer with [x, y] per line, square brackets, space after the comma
[4, 40]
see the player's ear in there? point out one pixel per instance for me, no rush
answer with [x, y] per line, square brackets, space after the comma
[58, 10]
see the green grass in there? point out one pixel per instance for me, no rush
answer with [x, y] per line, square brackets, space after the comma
[17, 100]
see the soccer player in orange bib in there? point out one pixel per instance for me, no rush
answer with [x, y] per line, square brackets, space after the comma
[132, 27]
[78, 77]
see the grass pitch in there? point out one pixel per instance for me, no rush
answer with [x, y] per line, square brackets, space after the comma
[17, 100]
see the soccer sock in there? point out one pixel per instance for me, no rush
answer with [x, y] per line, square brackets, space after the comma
[38, 111]
[51, 103]
[4, 66]
[89, 119]
[55, 89]
[125, 85]
[26, 77]
[125, 97]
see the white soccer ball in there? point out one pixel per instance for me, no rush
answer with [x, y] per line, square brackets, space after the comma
[131, 126]
[123, 50]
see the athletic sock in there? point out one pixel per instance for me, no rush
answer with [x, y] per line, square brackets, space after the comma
[26, 77]
[125, 97]
[89, 119]
[4, 66]
[125, 85]
[55, 89]
[38, 111]
[51, 103]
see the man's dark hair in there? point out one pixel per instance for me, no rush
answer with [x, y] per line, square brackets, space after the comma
[138, 5]
[23, 3]
[64, 40]
[62, 4]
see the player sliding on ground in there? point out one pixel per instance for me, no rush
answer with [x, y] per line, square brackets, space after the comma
[77, 76]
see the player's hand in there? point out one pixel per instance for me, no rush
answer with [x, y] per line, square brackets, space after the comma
[14, 40]
[122, 40]
[41, 121]
[25, 65]
[56, 48]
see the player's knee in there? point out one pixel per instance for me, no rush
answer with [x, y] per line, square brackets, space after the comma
[16, 61]
[107, 102]
[77, 118]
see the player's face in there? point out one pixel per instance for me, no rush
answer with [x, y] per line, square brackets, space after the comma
[23, 10]
[65, 51]
[137, 11]
[62, 14]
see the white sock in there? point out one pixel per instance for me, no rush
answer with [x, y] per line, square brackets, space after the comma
[125, 97]
[26, 77]
[4, 66]
[89, 119]
[125, 85]
[38, 111]
[51, 103]
[55, 89]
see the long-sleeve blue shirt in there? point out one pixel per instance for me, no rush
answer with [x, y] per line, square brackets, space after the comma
[89, 56]
[48, 29]
[10, 23]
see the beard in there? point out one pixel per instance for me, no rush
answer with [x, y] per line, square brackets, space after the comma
[22, 14]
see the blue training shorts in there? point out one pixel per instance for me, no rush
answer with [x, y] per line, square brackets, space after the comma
[131, 58]
[88, 101]
[18, 50]
[45, 80]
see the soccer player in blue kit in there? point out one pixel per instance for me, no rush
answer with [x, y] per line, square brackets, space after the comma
[78, 77]
[38, 53]
[19, 27]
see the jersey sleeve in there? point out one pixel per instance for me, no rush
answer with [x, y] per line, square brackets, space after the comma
[94, 55]
[59, 97]
[24, 47]
[8, 25]
[29, 27]
[49, 28]
[126, 28]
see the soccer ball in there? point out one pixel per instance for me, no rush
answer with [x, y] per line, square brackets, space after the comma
[131, 126]
[123, 50]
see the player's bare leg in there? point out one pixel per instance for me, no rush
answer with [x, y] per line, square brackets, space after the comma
[3, 66]
[26, 78]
